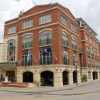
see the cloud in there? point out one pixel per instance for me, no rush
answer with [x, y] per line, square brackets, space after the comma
[88, 9]
[92, 15]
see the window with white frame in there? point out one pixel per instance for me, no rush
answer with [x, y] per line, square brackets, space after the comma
[65, 57]
[74, 41]
[12, 29]
[11, 50]
[63, 19]
[27, 40]
[45, 19]
[27, 24]
[45, 38]
[65, 39]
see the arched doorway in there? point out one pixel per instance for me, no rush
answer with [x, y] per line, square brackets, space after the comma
[47, 78]
[65, 78]
[11, 76]
[28, 77]
[95, 75]
[74, 76]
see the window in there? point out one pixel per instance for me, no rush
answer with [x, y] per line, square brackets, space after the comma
[45, 38]
[12, 29]
[63, 19]
[27, 40]
[65, 39]
[75, 58]
[11, 50]
[74, 42]
[45, 55]
[65, 57]
[27, 57]
[27, 24]
[45, 19]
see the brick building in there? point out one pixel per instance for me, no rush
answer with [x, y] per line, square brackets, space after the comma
[46, 45]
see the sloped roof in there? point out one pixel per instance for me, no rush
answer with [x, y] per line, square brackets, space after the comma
[38, 8]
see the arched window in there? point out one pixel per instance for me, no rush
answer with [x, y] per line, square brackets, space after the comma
[45, 38]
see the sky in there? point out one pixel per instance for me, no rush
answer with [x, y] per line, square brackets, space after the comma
[89, 10]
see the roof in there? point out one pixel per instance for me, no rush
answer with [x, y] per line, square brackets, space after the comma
[88, 27]
[38, 8]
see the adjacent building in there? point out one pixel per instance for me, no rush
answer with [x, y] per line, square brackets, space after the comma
[48, 46]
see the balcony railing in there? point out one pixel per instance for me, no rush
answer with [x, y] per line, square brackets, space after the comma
[8, 65]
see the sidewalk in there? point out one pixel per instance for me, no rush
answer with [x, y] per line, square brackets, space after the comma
[43, 89]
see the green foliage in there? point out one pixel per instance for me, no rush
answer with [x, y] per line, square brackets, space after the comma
[84, 78]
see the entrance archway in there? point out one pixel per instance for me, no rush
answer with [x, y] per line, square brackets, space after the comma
[95, 75]
[47, 78]
[11, 76]
[74, 76]
[65, 78]
[28, 77]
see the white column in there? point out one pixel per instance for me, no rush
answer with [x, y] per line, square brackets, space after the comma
[70, 78]
[78, 77]
[37, 78]
[19, 76]
[58, 82]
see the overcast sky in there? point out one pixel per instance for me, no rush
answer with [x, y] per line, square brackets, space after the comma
[87, 9]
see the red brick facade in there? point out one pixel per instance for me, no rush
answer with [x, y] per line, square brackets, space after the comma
[72, 28]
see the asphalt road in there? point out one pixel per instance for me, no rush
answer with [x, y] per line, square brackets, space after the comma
[90, 91]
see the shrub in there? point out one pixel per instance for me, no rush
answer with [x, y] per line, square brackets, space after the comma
[84, 78]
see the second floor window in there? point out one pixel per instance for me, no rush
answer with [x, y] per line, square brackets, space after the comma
[27, 57]
[11, 50]
[27, 24]
[27, 40]
[74, 58]
[65, 39]
[45, 38]
[12, 30]
[45, 55]
[65, 57]
[74, 42]
[45, 19]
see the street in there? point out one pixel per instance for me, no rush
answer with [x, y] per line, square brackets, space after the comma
[83, 92]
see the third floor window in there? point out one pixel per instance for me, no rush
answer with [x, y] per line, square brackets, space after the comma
[12, 29]
[27, 24]
[45, 38]
[45, 19]
[63, 19]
